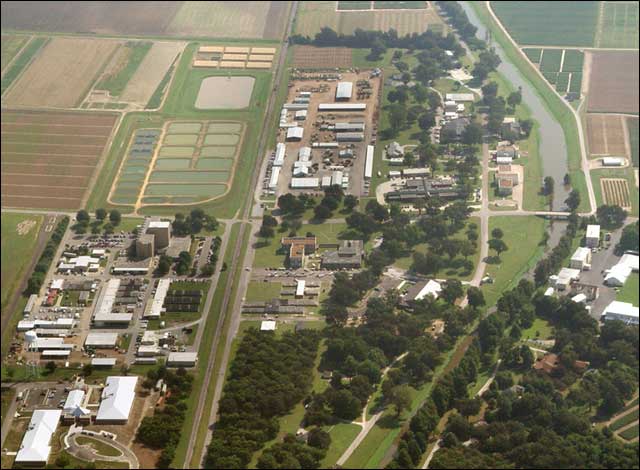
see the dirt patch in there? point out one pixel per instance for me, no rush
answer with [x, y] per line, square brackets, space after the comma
[321, 57]
[48, 158]
[90, 17]
[613, 84]
[62, 73]
[150, 72]
[606, 134]
[225, 92]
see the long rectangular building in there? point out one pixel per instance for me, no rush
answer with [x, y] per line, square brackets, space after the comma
[280, 154]
[35, 448]
[273, 180]
[342, 107]
[117, 399]
[368, 163]
[154, 308]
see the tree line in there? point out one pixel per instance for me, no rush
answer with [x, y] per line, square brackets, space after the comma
[44, 262]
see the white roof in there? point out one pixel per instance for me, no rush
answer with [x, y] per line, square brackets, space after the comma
[103, 361]
[159, 224]
[618, 275]
[368, 163]
[148, 349]
[612, 161]
[326, 181]
[55, 353]
[57, 284]
[304, 154]
[300, 283]
[154, 308]
[342, 107]
[336, 177]
[624, 309]
[280, 154]
[300, 171]
[113, 318]
[100, 339]
[301, 113]
[430, 288]
[415, 171]
[549, 291]
[107, 298]
[305, 183]
[593, 231]
[459, 97]
[35, 443]
[117, 398]
[74, 399]
[580, 298]
[98, 251]
[567, 275]
[581, 254]
[51, 343]
[268, 325]
[275, 174]
[182, 357]
[503, 160]
[629, 260]
[344, 90]
[295, 133]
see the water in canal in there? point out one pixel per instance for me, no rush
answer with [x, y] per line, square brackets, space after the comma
[553, 149]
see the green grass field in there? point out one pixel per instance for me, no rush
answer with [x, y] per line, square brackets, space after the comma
[533, 54]
[99, 446]
[262, 291]
[551, 59]
[573, 61]
[17, 250]
[632, 127]
[115, 83]
[342, 435]
[630, 433]
[541, 329]
[623, 421]
[619, 25]
[522, 236]
[562, 82]
[629, 292]
[549, 23]
[354, 5]
[10, 47]
[21, 61]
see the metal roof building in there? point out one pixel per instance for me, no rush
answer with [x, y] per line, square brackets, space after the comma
[350, 137]
[342, 107]
[275, 174]
[344, 90]
[182, 359]
[304, 154]
[305, 183]
[117, 399]
[268, 325]
[622, 311]
[154, 308]
[101, 340]
[35, 448]
[348, 126]
[295, 133]
[280, 154]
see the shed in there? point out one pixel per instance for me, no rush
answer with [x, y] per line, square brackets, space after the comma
[295, 133]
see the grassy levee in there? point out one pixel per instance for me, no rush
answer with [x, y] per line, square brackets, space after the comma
[180, 104]
[556, 106]
[115, 84]
[204, 353]
[22, 61]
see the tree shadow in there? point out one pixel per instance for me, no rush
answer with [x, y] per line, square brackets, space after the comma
[492, 260]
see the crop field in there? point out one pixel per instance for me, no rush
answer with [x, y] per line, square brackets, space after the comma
[618, 25]
[11, 44]
[562, 82]
[322, 57]
[561, 68]
[613, 84]
[231, 19]
[62, 73]
[573, 61]
[20, 63]
[186, 162]
[606, 134]
[354, 6]
[312, 16]
[615, 191]
[48, 158]
[151, 72]
[533, 53]
[551, 60]
[549, 23]
[123, 66]
[411, 5]
[632, 129]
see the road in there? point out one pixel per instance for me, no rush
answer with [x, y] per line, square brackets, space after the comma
[233, 266]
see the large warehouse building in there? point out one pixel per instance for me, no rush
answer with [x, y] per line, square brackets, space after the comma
[117, 399]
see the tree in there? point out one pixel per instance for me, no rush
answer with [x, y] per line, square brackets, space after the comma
[498, 246]
[87, 369]
[472, 134]
[164, 265]
[573, 200]
[451, 291]
[610, 216]
[101, 214]
[115, 217]
[350, 202]
[548, 185]
[514, 98]
[82, 216]
[50, 367]
[567, 179]
[475, 296]
[322, 212]
[497, 233]
[269, 221]
[62, 461]
[426, 121]
[319, 438]
[401, 398]
[266, 232]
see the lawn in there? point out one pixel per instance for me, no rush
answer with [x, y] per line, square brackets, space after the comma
[99, 446]
[541, 329]
[626, 173]
[17, 250]
[262, 291]
[630, 433]
[522, 236]
[629, 292]
[549, 23]
[134, 52]
[626, 419]
[342, 435]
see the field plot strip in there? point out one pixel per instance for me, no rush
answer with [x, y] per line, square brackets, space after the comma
[615, 191]
[50, 170]
[614, 84]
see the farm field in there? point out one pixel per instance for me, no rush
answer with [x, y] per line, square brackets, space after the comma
[11, 44]
[411, 5]
[62, 73]
[48, 158]
[606, 134]
[231, 19]
[123, 66]
[625, 174]
[613, 84]
[632, 128]
[618, 25]
[322, 57]
[561, 67]
[615, 191]
[186, 162]
[151, 71]
[312, 16]
[549, 23]
[19, 235]
[21, 62]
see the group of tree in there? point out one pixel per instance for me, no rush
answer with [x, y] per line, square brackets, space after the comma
[294, 453]
[496, 243]
[44, 262]
[333, 196]
[162, 429]
[210, 267]
[268, 376]
[610, 216]
[628, 239]
[457, 17]
[83, 221]
[192, 224]
[553, 262]
[183, 264]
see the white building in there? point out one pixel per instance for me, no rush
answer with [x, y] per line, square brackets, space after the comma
[581, 259]
[280, 154]
[305, 183]
[273, 180]
[304, 154]
[622, 311]
[593, 236]
[579, 299]
[117, 399]
[73, 402]
[182, 359]
[268, 325]
[57, 284]
[368, 163]
[295, 133]
[101, 340]
[35, 448]
[618, 275]
[432, 288]
[565, 277]
[300, 284]
[154, 308]
[459, 97]
[344, 91]
[612, 161]
[342, 107]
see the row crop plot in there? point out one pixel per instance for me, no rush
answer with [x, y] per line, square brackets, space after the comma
[613, 83]
[549, 23]
[618, 26]
[576, 82]
[615, 191]
[48, 158]
[573, 61]
[533, 54]
[562, 82]
[551, 60]
[354, 5]
[632, 127]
